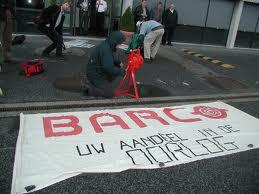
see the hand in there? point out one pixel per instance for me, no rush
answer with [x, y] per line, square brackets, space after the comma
[121, 65]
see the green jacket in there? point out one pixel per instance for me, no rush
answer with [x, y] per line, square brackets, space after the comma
[102, 66]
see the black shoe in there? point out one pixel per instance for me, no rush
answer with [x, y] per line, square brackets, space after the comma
[60, 57]
[152, 59]
[163, 43]
[148, 60]
[169, 44]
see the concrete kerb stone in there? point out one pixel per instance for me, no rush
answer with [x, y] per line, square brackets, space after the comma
[121, 102]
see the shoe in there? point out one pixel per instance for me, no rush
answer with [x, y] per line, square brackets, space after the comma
[60, 57]
[152, 58]
[169, 44]
[148, 60]
[163, 43]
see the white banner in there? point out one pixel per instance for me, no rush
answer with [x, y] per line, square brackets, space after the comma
[54, 147]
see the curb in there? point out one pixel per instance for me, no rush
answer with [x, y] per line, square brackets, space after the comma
[210, 59]
[122, 102]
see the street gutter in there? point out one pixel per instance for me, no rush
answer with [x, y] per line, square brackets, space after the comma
[109, 103]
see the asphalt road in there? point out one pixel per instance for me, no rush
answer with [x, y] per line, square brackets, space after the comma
[245, 62]
[236, 173]
[163, 77]
[171, 74]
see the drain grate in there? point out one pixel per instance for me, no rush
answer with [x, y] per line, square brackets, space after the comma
[226, 83]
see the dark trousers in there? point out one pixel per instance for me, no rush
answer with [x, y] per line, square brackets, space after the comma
[82, 84]
[56, 38]
[83, 21]
[168, 35]
[100, 17]
[6, 30]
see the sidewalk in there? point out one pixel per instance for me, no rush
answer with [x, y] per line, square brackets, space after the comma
[173, 73]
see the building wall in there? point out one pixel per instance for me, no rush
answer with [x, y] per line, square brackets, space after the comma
[200, 21]
[248, 30]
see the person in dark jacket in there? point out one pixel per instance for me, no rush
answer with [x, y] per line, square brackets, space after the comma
[141, 12]
[170, 20]
[6, 30]
[50, 23]
[103, 68]
[84, 15]
[102, 71]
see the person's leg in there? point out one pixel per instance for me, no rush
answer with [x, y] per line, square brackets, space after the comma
[51, 36]
[57, 43]
[157, 42]
[170, 35]
[86, 20]
[2, 26]
[102, 18]
[97, 22]
[165, 36]
[81, 19]
[59, 39]
[107, 90]
[7, 36]
[148, 41]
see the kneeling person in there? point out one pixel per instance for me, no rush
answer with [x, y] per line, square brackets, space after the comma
[103, 69]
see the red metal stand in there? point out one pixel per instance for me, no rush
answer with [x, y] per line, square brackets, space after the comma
[135, 61]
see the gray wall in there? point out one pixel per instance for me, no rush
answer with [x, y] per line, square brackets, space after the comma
[220, 14]
[249, 18]
[191, 12]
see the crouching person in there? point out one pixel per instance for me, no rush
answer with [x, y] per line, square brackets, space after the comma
[103, 71]
[50, 23]
[150, 35]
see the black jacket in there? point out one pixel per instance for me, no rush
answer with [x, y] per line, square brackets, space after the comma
[6, 5]
[81, 1]
[49, 16]
[170, 19]
[102, 66]
[137, 14]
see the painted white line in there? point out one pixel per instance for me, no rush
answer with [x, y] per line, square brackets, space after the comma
[70, 37]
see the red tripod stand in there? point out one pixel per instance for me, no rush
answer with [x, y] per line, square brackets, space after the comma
[135, 61]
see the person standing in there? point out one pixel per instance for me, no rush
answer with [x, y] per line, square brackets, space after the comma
[156, 13]
[150, 35]
[6, 30]
[101, 8]
[84, 7]
[141, 12]
[170, 20]
[50, 23]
